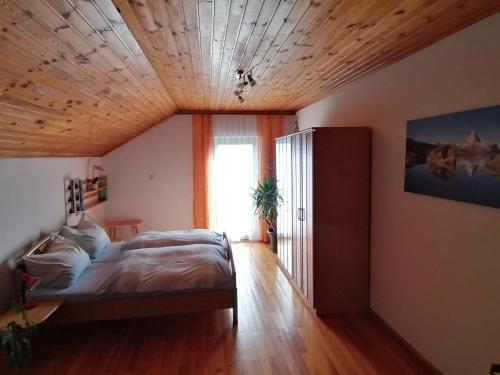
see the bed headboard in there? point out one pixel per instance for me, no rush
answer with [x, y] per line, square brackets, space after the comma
[35, 248]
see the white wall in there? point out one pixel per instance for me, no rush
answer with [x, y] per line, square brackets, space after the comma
[151, 177]
[435, 263]
[32, 205]
[164, 202]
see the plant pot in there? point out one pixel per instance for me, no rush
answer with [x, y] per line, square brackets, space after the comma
[273, 238]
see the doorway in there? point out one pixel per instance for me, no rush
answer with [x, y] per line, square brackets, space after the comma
[234, 175]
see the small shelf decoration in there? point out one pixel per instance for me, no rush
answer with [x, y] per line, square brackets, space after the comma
[76, 199]
[96, 191]
[86, 194]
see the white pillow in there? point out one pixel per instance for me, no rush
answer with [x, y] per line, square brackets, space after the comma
[59, 243]
[60, 265]
[88, 235]
[86, 222]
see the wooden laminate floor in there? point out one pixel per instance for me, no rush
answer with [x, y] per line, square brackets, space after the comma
[277, 334]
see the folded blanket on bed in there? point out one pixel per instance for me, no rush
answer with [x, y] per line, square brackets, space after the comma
[165, 269]
[174, 238]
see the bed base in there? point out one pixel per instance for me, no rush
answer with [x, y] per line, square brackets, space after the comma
[137, 307]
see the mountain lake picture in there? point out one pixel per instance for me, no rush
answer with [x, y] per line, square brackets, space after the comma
[455, 156]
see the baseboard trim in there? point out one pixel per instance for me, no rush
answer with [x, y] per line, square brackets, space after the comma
[432, 369]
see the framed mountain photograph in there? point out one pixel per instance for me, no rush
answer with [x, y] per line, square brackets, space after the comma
[455, 156]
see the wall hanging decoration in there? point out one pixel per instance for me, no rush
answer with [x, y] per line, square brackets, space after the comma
[455, 156]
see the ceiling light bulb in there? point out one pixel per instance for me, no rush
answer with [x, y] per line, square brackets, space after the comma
[242, 85]
[252, 81]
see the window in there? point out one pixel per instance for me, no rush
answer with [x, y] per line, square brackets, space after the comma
[234, 174]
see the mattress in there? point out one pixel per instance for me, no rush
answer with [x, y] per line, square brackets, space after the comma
[84, 288]
[143, 272]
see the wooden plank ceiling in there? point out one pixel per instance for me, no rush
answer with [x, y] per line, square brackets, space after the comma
[80, 77]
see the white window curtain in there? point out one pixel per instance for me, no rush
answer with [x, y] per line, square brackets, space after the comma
[234, 174]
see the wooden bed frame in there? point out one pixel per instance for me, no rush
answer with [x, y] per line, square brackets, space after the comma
[144, 306]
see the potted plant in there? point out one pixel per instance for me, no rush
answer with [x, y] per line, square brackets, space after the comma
[266, 199]
[17, 339]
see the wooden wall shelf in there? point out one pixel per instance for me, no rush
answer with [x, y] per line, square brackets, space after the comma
[92, 193]
[79, 199]
[95, 197]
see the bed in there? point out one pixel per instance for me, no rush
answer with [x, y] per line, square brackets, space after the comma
[149, 280]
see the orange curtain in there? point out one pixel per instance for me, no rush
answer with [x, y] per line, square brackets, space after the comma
[269, 127]
[202, 157]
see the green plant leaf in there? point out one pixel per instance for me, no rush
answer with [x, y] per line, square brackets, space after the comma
[16, 339]
[267, 198]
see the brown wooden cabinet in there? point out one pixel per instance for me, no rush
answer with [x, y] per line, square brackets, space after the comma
[324, 221]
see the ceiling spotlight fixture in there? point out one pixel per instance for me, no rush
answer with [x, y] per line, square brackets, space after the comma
[244, 79]
[242, 85]
[251, 81]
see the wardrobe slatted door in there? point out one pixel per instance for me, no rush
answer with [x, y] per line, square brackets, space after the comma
[288, 205]
[327, 188]
[307, 225]
[302, 170]
[284, 177]
[302, 213]
[279, 224]
[296, 205]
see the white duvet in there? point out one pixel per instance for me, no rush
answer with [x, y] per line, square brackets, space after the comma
[174, 238]
[168, 269]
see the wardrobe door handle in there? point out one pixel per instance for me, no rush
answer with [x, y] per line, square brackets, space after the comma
[300, 214]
